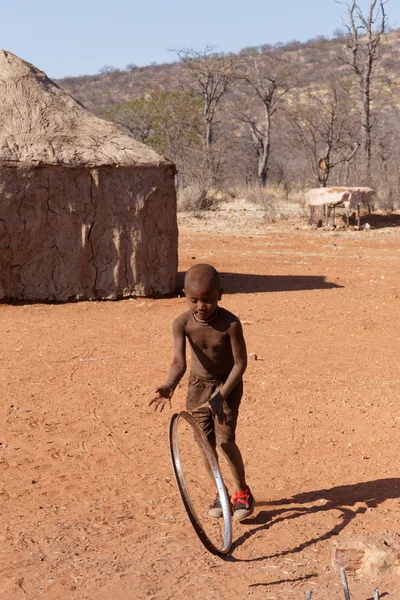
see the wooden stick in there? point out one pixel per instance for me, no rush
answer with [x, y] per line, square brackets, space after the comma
[308, 595]
[344, 583]
[311, 219]
[376, 594]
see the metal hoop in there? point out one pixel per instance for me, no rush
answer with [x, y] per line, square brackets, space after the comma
[180, 480]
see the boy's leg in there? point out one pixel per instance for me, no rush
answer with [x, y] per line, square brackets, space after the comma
[243, 501]
[225, 435]
[199, 392]
[205, 421]
[235, 461]
[205, 459]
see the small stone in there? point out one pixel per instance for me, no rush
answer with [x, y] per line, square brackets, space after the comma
[349, 558]
[369, 556]
[252, 356]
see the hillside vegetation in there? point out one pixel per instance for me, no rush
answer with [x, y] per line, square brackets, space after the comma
[314, 113]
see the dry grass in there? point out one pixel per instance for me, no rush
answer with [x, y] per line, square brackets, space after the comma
[274, 202]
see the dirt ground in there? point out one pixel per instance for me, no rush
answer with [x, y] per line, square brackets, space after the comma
[89, 507]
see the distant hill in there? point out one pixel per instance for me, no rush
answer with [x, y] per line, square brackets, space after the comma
[315, 61]
[299, 128]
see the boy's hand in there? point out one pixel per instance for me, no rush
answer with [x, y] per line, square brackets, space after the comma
[162, 396]
[216, 404]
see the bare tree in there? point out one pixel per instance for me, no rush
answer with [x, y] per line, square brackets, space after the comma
[268, 84]
[211, 75]
[385, 161]
[109, 70]
[323, 130]
[363, 41]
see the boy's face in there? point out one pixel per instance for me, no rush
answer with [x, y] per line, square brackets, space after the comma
[202, 299]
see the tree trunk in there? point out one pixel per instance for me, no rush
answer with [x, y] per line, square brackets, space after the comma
[366, 130]
[209, 132]
[266, 146]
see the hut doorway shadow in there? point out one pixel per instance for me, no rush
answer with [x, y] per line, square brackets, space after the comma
[249, 283]
[351, 501]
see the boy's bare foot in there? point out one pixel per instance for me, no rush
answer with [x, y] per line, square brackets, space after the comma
[243, 504]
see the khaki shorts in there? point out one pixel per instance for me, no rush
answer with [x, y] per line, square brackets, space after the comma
[199, 393]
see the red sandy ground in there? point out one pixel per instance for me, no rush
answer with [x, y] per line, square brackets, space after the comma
[89, 507]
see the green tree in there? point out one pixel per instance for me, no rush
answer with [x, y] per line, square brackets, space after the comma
[135, 115]
[169, 122]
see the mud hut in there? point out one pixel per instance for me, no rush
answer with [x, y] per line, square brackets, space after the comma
[86, 211]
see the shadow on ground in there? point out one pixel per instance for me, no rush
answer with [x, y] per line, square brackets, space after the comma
[282, 581]
[247, 283]
[381, 221]
[344, 498]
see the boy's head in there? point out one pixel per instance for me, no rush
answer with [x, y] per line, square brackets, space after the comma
[202, 290]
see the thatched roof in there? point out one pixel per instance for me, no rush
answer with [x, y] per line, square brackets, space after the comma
[41, 124]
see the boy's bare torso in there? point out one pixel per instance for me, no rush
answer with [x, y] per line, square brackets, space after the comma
[211, 345]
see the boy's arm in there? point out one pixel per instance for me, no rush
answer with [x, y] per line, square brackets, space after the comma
[240, 363]
[163, 393]
[178, 366]
[239, 356]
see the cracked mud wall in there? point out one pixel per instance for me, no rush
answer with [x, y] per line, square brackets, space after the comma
[87, 233]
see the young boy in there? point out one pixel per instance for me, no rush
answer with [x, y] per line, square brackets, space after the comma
[219, 359]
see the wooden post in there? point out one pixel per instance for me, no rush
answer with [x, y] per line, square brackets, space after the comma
[308, 595]
[358, 216]
[311, 219]
[376, 595]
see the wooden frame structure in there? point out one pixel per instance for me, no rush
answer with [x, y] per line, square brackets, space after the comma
[349, 198]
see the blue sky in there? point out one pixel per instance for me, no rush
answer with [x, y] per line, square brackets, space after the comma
[78, 37]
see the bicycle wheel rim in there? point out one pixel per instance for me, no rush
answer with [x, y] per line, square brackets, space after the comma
[183, 489]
